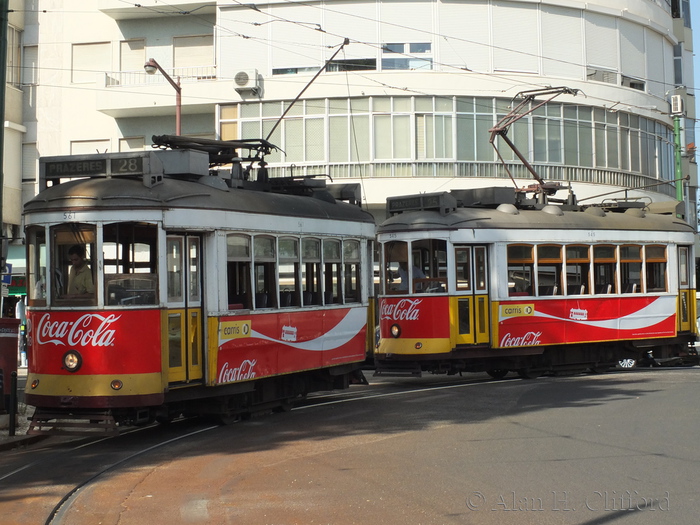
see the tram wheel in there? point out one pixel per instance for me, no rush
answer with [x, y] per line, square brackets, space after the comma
[497, 373]
[529, 373]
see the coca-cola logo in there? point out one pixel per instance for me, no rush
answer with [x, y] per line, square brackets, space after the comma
[246, 370]
[529, 339]
[87, 330]
[403, 310]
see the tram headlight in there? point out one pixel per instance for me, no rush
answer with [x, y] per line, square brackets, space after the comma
[116, 384]
[395, 331]
[72, 361]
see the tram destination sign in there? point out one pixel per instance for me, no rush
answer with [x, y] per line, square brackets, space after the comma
[76, 168]
[96, 166]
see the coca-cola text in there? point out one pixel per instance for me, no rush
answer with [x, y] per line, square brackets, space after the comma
[87, 330]
[529, 339]
[245, 371]
[403, 310]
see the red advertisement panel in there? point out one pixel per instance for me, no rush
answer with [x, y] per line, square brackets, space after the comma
[114, 342]
[269, 344]
[419, 317]
[560, 321]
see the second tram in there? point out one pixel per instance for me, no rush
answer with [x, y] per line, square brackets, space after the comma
[491, 280]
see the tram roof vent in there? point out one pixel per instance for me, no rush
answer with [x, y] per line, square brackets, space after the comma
[595, 210]
[553, 210]
[510, 209]
[351, 193]
[443, 202]
[184, 162]
[485, 197]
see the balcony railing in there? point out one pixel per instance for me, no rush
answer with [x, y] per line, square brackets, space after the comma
[141, 78]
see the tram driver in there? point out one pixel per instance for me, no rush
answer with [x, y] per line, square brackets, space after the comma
[398, 252]
[80, 282]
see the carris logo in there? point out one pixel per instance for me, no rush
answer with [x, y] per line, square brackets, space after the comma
[245, 371]
[87, 330]
[529, 339]
[404, 310]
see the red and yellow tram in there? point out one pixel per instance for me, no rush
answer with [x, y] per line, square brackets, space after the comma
[159, 286]
[491, 280]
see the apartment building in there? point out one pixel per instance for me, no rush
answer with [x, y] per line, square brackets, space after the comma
[399, 95]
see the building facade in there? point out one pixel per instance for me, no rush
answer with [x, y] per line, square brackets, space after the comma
[13, 133]
[406, 103]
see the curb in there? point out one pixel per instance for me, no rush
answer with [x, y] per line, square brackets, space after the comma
[20, 441]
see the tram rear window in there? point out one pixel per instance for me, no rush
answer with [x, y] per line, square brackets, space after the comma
[130, 264]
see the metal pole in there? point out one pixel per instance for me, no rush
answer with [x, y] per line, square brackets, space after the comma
[13, 403]
[178, 92]
[4, 5]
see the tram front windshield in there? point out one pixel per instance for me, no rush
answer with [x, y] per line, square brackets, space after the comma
[66, 270]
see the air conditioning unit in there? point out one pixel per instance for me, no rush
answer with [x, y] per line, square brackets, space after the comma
[246, 81]
[677, 105]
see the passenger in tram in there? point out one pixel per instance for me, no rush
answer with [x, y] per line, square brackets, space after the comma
[403, 275]
[80, 282]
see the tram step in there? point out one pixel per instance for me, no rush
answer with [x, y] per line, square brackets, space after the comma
[398, 372]
[57, 423]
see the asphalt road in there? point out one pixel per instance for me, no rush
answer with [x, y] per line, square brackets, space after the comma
[597, 449]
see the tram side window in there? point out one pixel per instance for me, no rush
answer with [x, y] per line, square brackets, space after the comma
[331, 271]
[578, 264]
[130, 261]
[604, 262]
[351, 271]
[289, 272]
[655, 260]
[173, 263]
[549, 267]
[520, 269]
[684, 266]
[311, 271]
[73, 264]
[463, 268]
[238, 258]
[264, 272]
[631, 269]
[36, 266]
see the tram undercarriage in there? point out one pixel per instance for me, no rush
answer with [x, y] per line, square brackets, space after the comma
[556, 360]
[226, 403]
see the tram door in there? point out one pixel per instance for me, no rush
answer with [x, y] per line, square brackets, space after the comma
[686, 297]
[184, 323]
[470, 308]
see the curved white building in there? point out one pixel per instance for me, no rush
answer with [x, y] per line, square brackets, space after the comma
[405, 105]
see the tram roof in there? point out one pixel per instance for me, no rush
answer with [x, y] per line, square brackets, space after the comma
[189, 189]
[451, 214]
